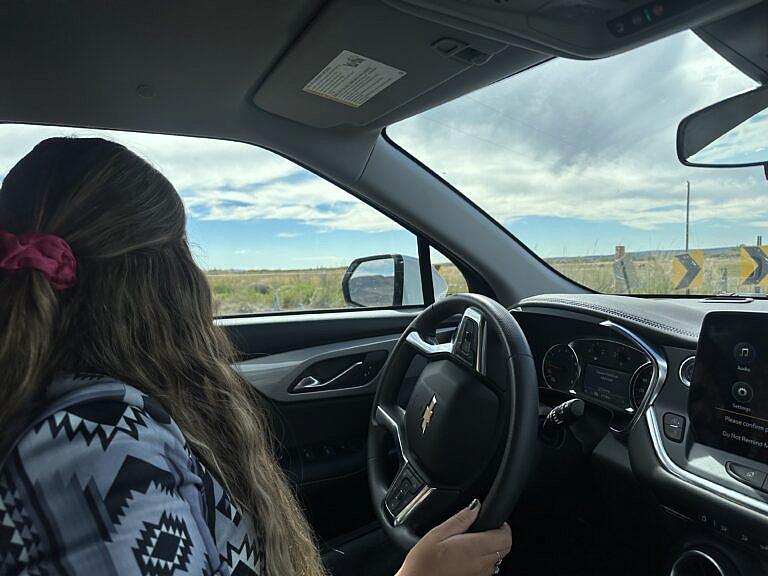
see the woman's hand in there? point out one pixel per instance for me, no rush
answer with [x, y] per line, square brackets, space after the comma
[447, 550]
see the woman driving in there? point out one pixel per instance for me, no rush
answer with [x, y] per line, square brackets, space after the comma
[129, 443]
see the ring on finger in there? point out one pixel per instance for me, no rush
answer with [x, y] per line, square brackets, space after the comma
[497, 566]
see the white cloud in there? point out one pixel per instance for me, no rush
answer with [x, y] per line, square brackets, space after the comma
[288, 234]
[224, 181]
[593, 141]
[583, 140]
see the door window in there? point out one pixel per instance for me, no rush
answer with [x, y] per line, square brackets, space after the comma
[272, 236]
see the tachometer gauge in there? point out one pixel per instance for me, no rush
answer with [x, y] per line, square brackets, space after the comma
[641, 381]
[560, 367]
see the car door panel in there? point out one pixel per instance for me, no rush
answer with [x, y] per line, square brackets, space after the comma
[277, 375]
[321, 431]
[261, 335]
[323, 450]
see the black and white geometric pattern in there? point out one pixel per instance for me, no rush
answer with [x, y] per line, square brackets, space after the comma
[163, 547]
[102, 420]
[105, 480]
[23, 543]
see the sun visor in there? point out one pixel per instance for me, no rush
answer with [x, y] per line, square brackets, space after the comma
[360, 60]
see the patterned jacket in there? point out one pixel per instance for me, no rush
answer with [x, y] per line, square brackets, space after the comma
[103, 483]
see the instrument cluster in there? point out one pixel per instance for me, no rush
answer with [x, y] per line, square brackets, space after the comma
[605, 371]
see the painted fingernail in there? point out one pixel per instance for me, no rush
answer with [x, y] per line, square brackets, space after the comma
[474, 504]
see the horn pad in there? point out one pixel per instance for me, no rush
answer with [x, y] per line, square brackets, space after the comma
[450, 423]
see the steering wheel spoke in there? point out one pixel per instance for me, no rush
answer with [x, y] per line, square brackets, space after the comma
[406, 493]
[393, 419]
[468, 348]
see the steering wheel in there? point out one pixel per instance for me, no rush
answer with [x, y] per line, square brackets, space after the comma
[469, 427]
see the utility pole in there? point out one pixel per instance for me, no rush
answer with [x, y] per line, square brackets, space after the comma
[687, 212]
[687, 219]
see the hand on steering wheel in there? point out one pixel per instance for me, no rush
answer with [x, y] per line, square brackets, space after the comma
[470, 425]
[449, 551]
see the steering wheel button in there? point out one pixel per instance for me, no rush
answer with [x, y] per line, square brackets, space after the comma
[396, 501]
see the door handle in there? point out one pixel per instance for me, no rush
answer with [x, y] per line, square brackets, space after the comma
[312, 383]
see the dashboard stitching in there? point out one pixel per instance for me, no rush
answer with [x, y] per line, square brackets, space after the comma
[607, 310]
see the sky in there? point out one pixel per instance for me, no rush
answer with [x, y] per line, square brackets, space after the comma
[247, 208]
[577, 157]
[572, 157]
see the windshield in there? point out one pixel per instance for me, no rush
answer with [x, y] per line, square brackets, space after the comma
[577, 159]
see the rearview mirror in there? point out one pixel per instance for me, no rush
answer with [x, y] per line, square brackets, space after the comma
[728, 134]
[388, 280]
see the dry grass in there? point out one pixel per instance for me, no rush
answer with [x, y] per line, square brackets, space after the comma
[652, 273]
[257, 291]
[254, 291]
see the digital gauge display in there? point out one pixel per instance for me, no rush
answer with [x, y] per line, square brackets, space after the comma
[560, 367]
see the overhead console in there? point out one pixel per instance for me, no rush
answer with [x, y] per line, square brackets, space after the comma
[364, 63]
[576, 28]
[374, 62]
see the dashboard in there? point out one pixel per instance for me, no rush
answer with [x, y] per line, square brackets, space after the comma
[684, 387]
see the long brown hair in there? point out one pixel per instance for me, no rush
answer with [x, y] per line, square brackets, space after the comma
[141, 312]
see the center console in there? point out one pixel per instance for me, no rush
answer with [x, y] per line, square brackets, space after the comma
[690, 377]
[709, 431]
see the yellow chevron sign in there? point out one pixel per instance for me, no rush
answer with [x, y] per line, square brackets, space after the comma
[688, 269]
[753, 266]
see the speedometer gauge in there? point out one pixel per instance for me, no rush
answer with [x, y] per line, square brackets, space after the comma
[641, 381]
[560, 367]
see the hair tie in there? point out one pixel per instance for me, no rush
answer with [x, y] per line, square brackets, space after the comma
[50, 255]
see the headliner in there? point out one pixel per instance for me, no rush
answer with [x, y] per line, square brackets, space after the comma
[232, 69]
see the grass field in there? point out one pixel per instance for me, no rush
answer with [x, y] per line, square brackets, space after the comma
[253, 291]
[652, 273]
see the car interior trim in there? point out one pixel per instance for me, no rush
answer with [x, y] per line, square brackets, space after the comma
[659, 371]
[385, 419]
[675, 571]
[415, 340]
[310, 382]
[693, 479]
[417, 500]
[681, 371]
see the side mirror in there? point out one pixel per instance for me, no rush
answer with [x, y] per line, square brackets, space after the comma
[388, 280]
[728, 134]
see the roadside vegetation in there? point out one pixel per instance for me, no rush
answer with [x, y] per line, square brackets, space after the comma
[651, 273]
[254, 291]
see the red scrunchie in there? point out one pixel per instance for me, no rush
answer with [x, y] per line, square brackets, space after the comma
[50, 255]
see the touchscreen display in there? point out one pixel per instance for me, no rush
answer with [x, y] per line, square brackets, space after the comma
[606, 384]
[728, 401]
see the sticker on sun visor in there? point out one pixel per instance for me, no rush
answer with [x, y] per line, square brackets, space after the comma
[352, 79]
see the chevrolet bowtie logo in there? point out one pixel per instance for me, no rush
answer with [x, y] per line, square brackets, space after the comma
[426, 417]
